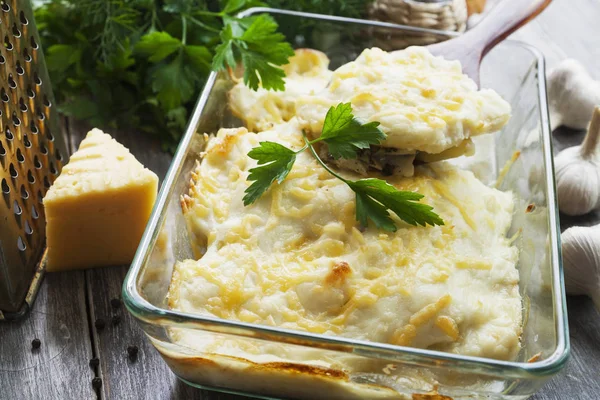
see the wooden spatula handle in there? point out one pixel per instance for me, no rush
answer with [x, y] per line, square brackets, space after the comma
[503, 19]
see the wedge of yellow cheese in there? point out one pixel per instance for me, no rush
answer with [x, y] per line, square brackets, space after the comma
[97, 209]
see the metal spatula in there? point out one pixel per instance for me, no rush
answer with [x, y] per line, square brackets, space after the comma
[32, 152]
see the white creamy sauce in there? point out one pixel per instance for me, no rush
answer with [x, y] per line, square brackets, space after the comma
[297, 257]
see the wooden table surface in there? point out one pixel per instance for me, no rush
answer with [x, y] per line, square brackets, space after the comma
[70, 304]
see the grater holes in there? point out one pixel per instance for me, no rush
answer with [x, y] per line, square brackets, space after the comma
[2, 59]
[22, 106]
[40, 199]
[58, 155]
[49, 135]
[30, 93]
[15, 31]
[34, 44]
[33, 128]
[26, 141]
[24, 193]
[44, 150]
[7, 44]
[46, 102]
[53, 169]
[23, 18]
[41, 116]
[5, 7]
[2, 150]
[20, 157]
[30, 177]
[34, 213]
[9, 134]
[17, 210]
[15, 120]
[36, 163]
[21, 244]
[46, 184]
[28, 229]
[4, 96]
[19, 69]
[13, 172]
[5, 187]
[26, 55]
[36, 79]
[11, 82]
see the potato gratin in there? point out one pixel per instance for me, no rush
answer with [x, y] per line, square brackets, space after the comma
[298, 259]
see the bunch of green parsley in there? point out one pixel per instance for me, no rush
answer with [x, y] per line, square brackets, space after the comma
[141, 64]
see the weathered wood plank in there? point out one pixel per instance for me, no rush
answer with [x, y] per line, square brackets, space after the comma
[59, 319]
[146, 376]
[59, 369]
[580, 380]
[563, 30]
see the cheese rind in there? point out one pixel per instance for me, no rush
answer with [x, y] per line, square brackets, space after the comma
[97, 209]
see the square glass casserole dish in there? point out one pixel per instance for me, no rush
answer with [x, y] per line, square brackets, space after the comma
[295, 364]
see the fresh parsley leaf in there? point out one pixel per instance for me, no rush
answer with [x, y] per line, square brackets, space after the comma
[375, 196]
[260, 49]
[276, 161]
[157, 46]
[199, 58]
[233, 6]
[224, 55]
[60, 57]
[257, 71]
[345, 135]
[174, 83]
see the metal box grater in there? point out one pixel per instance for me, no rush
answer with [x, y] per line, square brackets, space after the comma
[32, 152]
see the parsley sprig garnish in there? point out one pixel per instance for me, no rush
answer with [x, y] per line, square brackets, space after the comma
[255, 42]
[345, 136]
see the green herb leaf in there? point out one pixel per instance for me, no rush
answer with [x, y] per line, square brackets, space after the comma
[174, 83]
[375, 196]
[234, 6]
[260, 49]
[276, 162]
[60, 57]
[199, 58]
[345, 135]
[157, 46]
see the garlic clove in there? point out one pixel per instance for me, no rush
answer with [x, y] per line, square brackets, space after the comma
[572, 95]
[577, 182]
[581, 261]
[577, 172]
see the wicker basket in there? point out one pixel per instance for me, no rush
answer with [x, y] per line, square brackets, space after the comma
[444, 15]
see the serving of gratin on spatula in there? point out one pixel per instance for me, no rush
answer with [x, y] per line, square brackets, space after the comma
[427, 100]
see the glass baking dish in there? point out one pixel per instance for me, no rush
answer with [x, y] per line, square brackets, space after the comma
[518, 159]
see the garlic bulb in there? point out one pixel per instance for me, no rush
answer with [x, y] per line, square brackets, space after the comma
[578, 173]
[572, 95]
[581, 261]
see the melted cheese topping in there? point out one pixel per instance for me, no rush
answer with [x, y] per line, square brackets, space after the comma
[424, 103]
[297, 259]
[306, 73]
